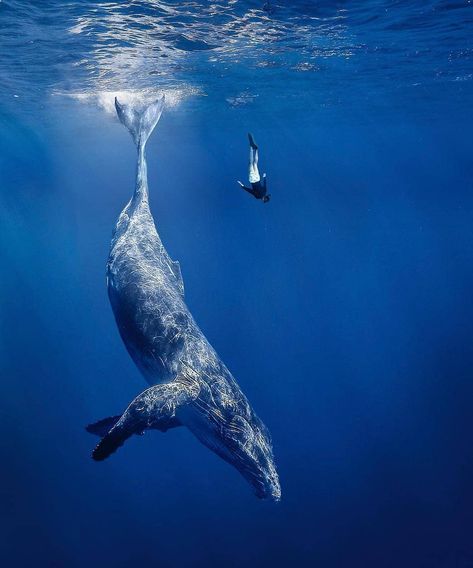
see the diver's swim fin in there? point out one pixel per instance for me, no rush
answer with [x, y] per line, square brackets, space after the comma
[252, 141]
[140, 121]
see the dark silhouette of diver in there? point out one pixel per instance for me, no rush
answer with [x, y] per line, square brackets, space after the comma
[257, 189]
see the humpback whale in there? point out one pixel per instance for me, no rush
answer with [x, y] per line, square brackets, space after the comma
[190, 385]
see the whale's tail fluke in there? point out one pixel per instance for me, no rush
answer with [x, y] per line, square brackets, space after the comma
[140, 121]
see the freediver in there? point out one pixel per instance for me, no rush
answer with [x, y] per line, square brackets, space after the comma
[258, 189]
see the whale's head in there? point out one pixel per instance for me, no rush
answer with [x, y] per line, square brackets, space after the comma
[251, 453]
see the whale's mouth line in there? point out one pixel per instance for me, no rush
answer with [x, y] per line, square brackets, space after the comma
[264, 485]
[268, 490]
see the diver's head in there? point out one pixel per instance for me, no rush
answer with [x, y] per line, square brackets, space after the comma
[266, 198]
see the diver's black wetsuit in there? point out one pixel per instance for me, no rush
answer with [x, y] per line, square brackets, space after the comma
[257, 189]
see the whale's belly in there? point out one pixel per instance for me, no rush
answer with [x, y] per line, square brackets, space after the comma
[151, 317]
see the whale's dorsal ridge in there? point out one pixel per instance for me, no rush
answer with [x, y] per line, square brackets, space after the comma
[176, 270]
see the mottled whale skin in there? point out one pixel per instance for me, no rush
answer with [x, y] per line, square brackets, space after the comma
[190, 384]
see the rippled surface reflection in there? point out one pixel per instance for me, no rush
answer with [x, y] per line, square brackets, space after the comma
[237, 51]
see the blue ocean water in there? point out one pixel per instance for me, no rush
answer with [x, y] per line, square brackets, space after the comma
[343, 307]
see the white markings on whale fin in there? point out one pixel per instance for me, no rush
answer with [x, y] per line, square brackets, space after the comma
[154, 408]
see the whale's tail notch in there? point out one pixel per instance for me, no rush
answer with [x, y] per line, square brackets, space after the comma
[140, 121]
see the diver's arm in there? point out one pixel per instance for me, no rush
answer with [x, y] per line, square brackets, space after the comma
[248, 189]
[264, 182]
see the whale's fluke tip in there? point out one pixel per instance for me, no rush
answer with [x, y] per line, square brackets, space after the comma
[118, 106]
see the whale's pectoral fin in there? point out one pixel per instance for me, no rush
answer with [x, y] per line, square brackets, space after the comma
[154, 408]
[102, 427]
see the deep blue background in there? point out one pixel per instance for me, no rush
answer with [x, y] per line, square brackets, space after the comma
[343, 308]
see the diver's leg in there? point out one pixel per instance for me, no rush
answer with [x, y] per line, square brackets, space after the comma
[253, 173]
[253, 150]
[252, 141]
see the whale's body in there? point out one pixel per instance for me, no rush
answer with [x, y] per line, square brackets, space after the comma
[190, 384]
